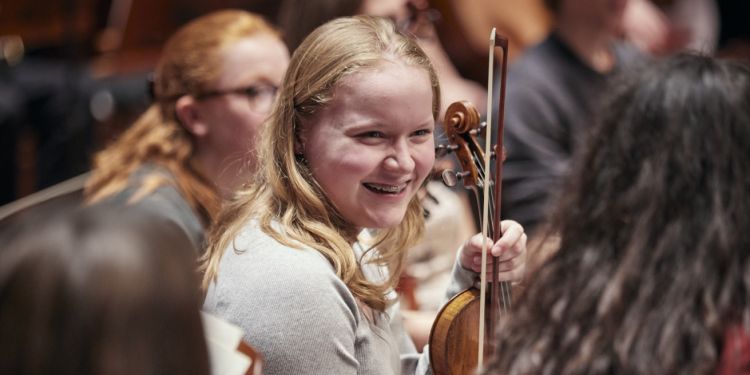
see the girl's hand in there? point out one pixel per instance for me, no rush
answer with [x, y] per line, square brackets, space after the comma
[510, 250]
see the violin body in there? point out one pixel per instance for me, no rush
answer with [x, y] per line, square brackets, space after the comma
[454, 335]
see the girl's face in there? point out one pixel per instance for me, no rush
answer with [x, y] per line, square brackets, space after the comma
[371, 147]
[252, 69]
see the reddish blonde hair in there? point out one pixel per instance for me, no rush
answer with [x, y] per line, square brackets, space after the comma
[285, 195]
[190, 64]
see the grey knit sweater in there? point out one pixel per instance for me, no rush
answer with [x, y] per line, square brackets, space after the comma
[165, 202]
[302, 317]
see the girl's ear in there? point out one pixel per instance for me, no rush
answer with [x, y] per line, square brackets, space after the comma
[189, 115]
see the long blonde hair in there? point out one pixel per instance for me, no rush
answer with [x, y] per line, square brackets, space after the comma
[190, 64]
[284, 199]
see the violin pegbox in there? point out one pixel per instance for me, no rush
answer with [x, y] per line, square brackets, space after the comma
[462, 124]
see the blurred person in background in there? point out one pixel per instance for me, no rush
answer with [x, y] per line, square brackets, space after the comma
[667, 27]
[212, 90]
[651, 275]
[99, 290]
[552, 89]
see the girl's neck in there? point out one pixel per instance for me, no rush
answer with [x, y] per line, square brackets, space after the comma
[226, 176]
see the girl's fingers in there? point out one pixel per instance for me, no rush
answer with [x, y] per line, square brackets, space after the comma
[513, 241]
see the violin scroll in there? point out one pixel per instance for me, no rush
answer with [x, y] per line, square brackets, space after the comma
[462, 122]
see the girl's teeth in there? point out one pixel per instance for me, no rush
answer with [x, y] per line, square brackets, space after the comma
[385, 188]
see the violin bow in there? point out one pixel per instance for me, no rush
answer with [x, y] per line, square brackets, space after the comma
[495, 42]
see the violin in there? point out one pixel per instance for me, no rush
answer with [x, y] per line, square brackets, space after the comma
[457, 337]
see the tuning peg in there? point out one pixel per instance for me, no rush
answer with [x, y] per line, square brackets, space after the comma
[482, 129]
[494, 154]
[451, 178]
[442, 150]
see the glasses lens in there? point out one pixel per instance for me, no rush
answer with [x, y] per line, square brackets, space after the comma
[261, 98]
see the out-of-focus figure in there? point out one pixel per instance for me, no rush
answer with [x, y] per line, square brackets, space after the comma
[212, 89]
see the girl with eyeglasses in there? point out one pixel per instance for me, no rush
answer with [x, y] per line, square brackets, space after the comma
[213, 87]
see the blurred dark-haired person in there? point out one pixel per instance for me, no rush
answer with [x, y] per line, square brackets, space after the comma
[651, 275]
[100, 290]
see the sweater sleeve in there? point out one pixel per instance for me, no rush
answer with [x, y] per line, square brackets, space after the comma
[292, 308]
[461, 279]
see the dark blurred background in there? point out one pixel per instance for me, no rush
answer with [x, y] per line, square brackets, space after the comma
[73, 75]
[73, 72]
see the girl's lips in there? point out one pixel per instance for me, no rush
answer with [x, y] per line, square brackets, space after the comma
[385, 188]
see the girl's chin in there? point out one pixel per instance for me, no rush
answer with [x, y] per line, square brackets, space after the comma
[383, 222]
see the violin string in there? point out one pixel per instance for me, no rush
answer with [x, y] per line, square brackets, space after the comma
[493, 291]
[505, 290]
[504, 286]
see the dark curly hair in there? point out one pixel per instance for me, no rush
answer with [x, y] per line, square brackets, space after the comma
[653, 267]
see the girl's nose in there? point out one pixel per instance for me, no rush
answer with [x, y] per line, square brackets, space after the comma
[400, 159]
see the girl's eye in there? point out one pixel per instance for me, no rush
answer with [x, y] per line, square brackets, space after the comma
[422, 132]
[372, 134]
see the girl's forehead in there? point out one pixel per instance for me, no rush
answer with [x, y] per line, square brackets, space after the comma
[382, 69]
[400, 95]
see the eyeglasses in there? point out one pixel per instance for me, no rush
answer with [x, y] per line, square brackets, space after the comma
[259, 97]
